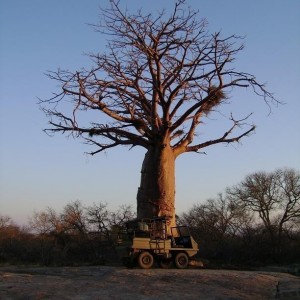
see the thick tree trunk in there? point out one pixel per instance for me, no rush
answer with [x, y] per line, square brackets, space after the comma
[156, 194]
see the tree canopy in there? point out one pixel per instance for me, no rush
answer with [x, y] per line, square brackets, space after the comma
[161, 75]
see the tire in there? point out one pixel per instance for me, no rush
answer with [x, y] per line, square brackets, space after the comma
[145, 260]
[166, 263]
[181, 260]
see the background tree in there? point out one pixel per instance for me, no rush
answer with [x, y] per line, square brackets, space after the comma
[4, 221]
[14, 242]
[98, 218]
[274, 197]
[119, 218]
[217, 224]
[41, 223]
[74, 218]
[42, 226]
[161, 77]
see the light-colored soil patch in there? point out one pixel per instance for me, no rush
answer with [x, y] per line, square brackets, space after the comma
[120, 283]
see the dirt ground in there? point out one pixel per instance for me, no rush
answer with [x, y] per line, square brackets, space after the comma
[106, 282]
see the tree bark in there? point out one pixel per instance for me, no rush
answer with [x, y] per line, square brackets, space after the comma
[156, 194]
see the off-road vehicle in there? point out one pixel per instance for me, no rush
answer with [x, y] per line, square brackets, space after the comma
[152, 240]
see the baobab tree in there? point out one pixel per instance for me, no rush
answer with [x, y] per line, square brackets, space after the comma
[159, 79]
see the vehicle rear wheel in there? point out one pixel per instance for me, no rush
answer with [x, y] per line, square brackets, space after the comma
[145, 260]
[181, 260]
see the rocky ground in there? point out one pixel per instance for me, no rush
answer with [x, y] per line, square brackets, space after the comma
[106, 282]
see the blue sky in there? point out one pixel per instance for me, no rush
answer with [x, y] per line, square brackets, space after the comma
[37, 171]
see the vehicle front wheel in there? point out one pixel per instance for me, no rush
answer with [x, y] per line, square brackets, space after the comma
[181, 260]
[145, 260]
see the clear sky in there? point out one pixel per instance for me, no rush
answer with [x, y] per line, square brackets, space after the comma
[37, 171]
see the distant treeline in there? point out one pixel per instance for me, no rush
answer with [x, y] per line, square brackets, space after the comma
[78, 235]
[254, 223]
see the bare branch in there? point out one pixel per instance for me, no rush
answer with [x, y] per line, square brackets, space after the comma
[159, 79]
